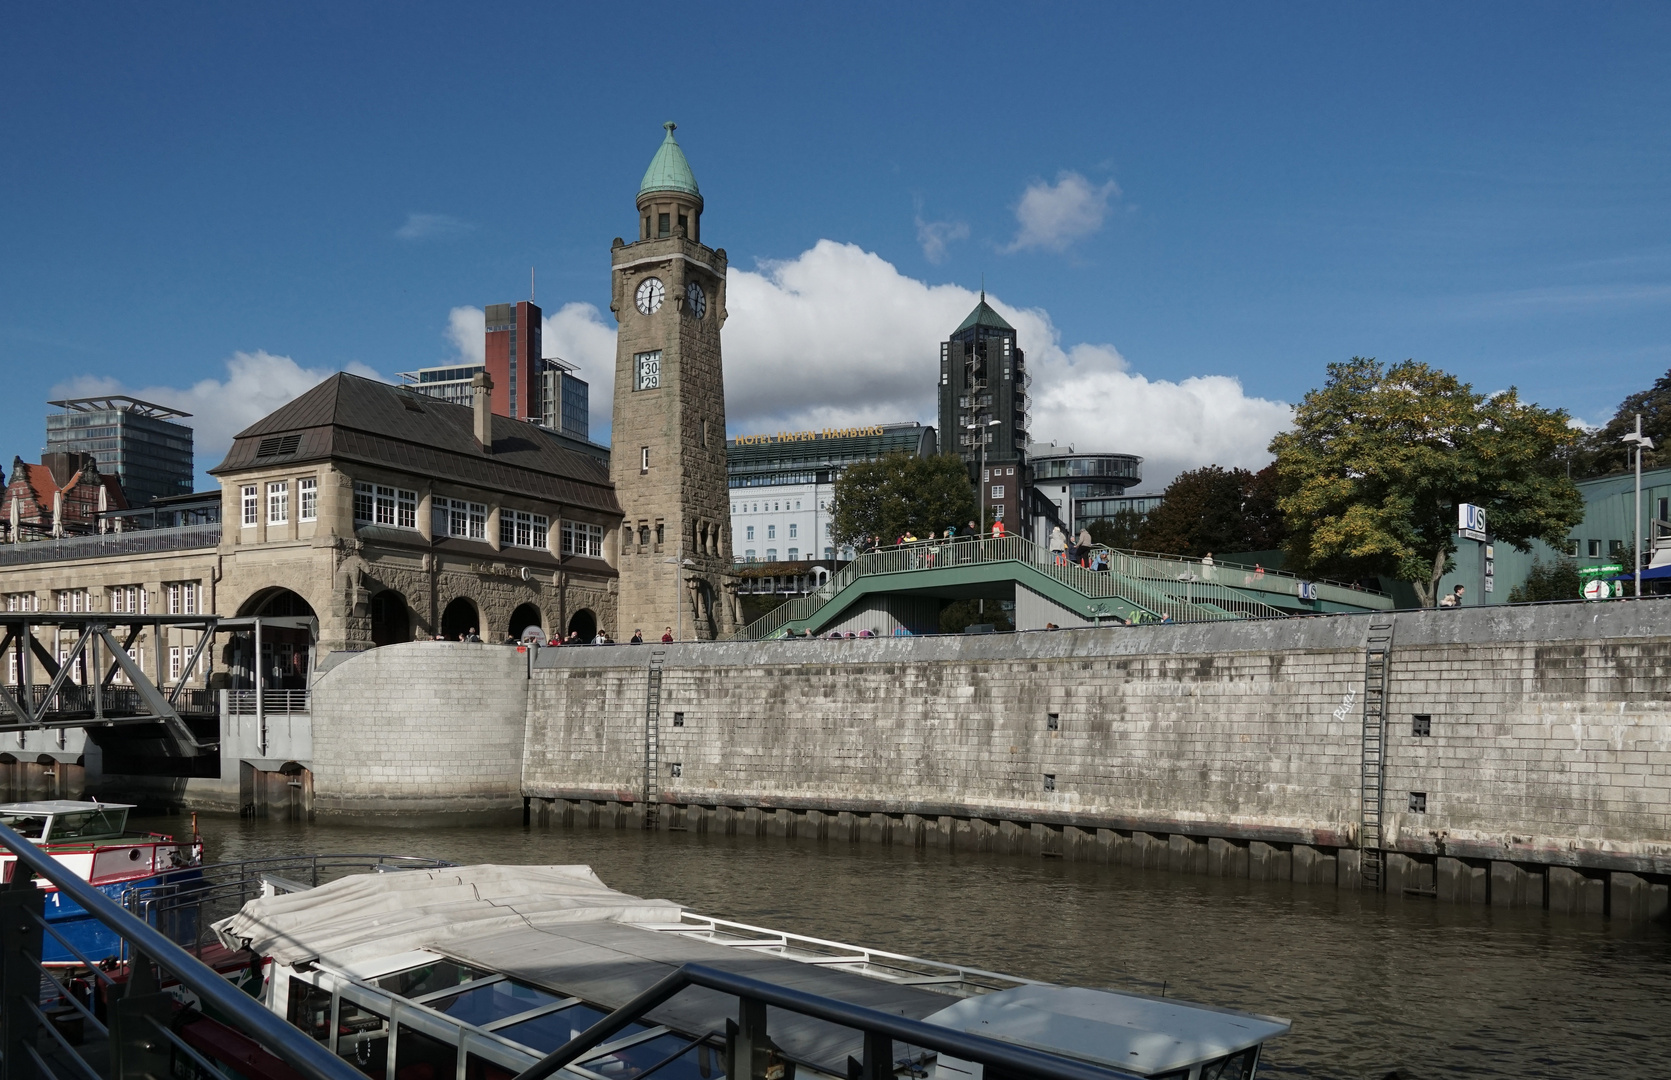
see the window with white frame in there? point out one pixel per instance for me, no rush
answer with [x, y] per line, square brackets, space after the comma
[23, 601]
[183, 597]
[128, 599]
[378, 504]
[307, 499]
[251, 497]
[749, 555]
[175, 659]
[997, 491]
[278, 503]
[749, 529]
[465, 520]
[73, 600]
[794, 554]
[793, 530]
[581, 538]
[771, 532]
[519, 528]
[771, 554]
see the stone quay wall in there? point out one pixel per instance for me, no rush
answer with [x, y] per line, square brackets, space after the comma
[1544, 777]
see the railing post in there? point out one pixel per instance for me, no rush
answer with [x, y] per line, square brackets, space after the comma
[20, 979]
[749, 1053]
[879, 1059]
[137, 1049]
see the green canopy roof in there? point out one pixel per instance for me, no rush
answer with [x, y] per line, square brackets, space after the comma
[983, 315]
[669, 171]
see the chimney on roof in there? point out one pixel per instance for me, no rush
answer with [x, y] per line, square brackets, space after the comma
[481, 393]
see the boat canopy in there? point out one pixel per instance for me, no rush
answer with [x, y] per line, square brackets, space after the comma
[57, 821]
[1152, 1036]
[522, 945]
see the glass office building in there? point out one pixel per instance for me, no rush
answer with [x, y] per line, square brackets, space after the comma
[136, 441]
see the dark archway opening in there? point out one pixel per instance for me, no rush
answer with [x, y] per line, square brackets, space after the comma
[460, 618]
[285, 650]
[522, 618]
[391, 621]
[583, 625]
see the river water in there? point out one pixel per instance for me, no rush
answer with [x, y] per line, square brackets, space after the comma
[1372, 984]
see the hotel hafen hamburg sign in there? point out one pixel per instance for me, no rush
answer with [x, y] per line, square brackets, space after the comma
[807, 436]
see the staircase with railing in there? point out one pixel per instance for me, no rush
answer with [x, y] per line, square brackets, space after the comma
[1145, 589]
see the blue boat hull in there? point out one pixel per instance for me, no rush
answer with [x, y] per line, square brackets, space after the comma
[94, 940]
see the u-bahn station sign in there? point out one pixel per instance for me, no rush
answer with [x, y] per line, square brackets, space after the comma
[808, 436]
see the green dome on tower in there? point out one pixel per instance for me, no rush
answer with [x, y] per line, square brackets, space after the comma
[669, 171]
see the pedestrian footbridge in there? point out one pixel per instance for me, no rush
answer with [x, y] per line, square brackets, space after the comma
[904, 588]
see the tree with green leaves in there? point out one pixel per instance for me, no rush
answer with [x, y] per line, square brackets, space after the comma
[1603, 451]
[1380, 457]
[1214, 509]
[1556, 580]
[901, 493]
[1120, 531]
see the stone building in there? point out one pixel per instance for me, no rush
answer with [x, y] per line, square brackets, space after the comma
[668, 438]
[391, 516]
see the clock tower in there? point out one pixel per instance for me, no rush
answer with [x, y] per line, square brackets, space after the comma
[667, 455]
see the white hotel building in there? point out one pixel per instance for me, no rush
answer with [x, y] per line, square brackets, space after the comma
[782, 484]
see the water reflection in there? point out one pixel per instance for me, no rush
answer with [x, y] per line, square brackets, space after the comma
[1371, 983]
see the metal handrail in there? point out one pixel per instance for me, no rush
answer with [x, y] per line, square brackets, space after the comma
[1009, 1058]
[274, 1034]
[1137, 586]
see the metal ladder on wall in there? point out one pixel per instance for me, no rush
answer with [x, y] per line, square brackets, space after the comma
[652, 741]
[1377, 656]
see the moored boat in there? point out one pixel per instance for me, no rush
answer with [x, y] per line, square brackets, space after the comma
[91, 840]
[478, 972]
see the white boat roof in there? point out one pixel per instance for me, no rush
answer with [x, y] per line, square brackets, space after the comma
[563, 929]
[1125, 1031]
[61, 806]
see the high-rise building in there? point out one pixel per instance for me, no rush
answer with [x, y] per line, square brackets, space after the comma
[513, 359]
[668, 441]
[564, 398]
[983, 405]
[135, 441]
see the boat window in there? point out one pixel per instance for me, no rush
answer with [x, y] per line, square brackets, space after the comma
[424, 1057]
[363, 1039]
[479, 1068]
[652, 1056]
[546, 1033]
[415, 982]
[482, 1005]
[310, 1010]
[31, 826]
[1235, 1067]
[88, 825]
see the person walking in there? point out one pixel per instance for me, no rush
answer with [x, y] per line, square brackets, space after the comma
[1452, 600]
[1083, 555]
[667, 636]
[637, 638]
[998, 529]
[1207, 567]
[1058, 545]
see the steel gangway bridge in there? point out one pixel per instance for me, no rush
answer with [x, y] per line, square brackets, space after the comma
[1137, 587]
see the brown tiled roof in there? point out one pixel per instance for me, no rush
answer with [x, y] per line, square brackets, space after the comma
[350, 419]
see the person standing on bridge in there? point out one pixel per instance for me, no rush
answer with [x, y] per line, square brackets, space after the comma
[1083, 555]
[1058, 545]
[1207, 567]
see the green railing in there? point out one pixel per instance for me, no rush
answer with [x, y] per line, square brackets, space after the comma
[1237, 576]
[1153, 587]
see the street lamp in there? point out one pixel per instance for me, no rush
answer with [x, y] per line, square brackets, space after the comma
[678, 590]
[1642, 443]
[980, 489]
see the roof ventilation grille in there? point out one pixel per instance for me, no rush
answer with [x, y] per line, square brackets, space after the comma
[278, 446]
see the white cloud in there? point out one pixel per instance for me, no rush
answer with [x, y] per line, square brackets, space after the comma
[256, 383]
[838, 336]
[432, 227]
[467, 330]
[935, 235]
[1053, 216]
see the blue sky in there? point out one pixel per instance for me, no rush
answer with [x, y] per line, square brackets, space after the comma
[1196, 207]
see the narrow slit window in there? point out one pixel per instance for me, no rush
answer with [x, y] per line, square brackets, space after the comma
[1421, 725]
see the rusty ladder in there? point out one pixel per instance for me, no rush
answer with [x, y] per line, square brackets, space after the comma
[1377, 657]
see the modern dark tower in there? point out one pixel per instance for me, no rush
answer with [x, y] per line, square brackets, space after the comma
[983, 400]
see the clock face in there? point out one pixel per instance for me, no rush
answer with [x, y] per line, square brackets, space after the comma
[696, 300]
[651, 292]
